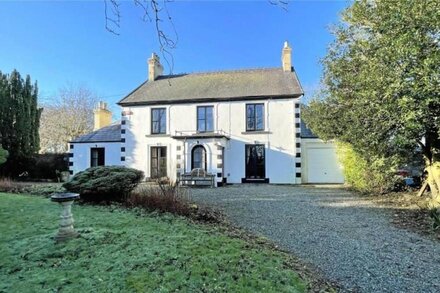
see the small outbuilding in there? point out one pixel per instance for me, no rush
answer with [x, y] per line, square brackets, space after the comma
[320, 163]
[102, 147]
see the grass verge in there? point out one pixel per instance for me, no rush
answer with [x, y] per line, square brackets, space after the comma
[130, 251]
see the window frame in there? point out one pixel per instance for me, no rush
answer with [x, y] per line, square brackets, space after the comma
[254, 105]
[205, 118]
[152, 121]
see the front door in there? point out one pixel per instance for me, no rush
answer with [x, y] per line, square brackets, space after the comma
[255, 161]
[158, 162]
[97, 157]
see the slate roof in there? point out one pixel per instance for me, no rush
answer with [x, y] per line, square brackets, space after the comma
[307, 132]
[222, 85]
[111, 133]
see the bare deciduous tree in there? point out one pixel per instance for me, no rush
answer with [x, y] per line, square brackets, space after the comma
[156, 11]
[66, 116]
[152, 11]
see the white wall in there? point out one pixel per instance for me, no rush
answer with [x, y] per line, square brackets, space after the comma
[229, 117]
[81, 155]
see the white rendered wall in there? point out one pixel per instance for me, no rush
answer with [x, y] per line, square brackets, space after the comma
[229, 117]
[81, 155]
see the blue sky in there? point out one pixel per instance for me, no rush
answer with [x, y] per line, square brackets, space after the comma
[59, 42]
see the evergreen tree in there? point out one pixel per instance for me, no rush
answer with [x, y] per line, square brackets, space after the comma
[382, 83]
[3, 155]
[19, 121]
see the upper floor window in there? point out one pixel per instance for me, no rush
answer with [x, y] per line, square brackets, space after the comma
[205, 118]
[158, 121]
[254, 117]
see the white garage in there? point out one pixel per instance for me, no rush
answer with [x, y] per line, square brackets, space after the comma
[319, 161]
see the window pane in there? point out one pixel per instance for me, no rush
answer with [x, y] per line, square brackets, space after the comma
[209, 126]
[259, 118]
[259, 115]
[163, 166]
[209, 112]
[209, 119]
[259, 124]
[155, 127]
[200, 112]
[250, 111]
[250, 125]
[163, 126]
[259, 109]
[163, 121]
[153, 163]
[201, 125]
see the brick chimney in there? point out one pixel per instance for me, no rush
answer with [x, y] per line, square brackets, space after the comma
[286, 57]
[155, 69]
[103, 117]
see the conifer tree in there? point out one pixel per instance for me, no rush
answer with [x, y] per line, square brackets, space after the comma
[19, 121]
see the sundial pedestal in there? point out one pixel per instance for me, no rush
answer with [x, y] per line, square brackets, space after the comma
[66, 230]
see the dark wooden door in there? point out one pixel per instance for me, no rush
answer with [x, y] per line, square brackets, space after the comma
[255, 161]
[97, 157]
[158, 162]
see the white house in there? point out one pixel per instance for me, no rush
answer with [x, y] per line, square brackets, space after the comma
[241, 126]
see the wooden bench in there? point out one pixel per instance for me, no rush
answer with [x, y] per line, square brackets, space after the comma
[197, 177]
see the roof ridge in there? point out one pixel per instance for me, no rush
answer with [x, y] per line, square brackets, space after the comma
[223, 71]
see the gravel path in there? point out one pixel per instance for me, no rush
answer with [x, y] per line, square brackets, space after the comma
[349, 239]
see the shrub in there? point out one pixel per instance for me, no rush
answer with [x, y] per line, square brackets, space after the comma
[8, 185]
[104, 183]
[367, 175]
[167, 197]
[44, 189]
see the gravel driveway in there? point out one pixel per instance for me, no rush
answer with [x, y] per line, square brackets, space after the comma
[349, 239]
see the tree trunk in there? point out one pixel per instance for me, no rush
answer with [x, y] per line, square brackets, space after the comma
[433, 179]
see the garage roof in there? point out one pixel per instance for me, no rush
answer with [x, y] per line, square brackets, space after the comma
[306, 132]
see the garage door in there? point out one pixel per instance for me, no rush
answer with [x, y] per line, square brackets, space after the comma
[323, 166]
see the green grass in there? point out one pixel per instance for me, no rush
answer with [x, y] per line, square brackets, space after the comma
[128, 251]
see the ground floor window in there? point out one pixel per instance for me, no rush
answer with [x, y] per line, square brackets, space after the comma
[198, 157]
[158, 162]
[255, 161]
[97, 157]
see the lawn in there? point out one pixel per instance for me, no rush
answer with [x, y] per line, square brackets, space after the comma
[129, 251]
